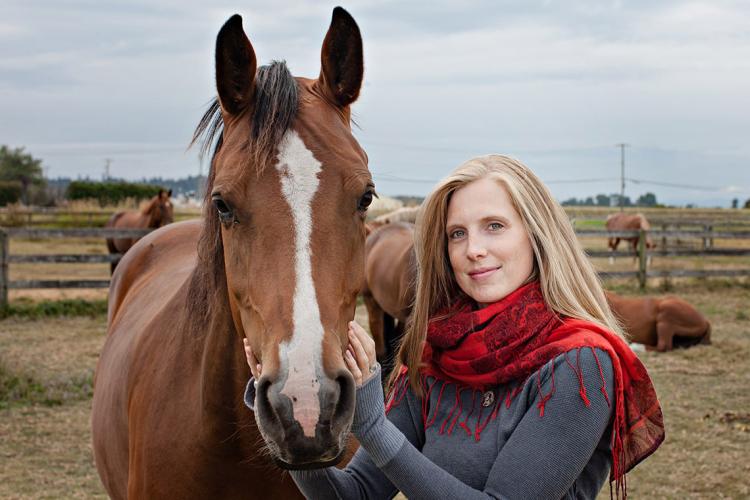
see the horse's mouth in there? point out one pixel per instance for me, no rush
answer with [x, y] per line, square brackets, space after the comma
[310, 465]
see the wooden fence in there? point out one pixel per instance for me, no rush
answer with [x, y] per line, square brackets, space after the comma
[6, 258]
[642, 254]
[30, 217]
[642, 273]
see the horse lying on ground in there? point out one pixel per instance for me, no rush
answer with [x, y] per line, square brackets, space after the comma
[277, 258]
[660, 324]
[158, 212]
[621, 221]
[390, 271]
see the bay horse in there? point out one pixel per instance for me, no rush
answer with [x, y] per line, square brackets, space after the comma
[621, 221]
[158, 212]
[660, 323]
[278, 258]
[390, 271]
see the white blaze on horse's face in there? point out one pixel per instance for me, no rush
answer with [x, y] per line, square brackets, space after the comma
[301, 357]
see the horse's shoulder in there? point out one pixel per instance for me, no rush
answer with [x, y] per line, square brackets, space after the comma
[164, 254]
[168, 244]
[114, 218]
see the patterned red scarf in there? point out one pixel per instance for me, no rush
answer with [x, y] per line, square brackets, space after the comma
[509, 340]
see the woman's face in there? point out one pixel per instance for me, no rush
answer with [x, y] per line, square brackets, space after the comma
[488, 246]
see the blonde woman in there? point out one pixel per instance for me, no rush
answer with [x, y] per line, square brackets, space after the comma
[513, 379]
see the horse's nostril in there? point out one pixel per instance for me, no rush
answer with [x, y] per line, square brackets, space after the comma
[344, 410]
[262, 398]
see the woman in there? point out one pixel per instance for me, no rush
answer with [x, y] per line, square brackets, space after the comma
[513, 379]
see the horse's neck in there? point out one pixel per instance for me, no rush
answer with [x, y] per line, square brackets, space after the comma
[224, 371]
[150, 214]
[154, 220]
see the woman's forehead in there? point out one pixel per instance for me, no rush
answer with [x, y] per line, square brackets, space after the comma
[483, 198]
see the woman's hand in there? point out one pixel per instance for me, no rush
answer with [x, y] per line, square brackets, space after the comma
[360, 354]
[252, 361]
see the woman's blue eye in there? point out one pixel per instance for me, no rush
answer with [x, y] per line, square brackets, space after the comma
[496, 226]
[456, 234]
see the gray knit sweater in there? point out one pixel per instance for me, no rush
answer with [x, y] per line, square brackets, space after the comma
[519, 453]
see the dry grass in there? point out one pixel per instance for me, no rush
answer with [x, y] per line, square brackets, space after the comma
[46, 452]
[46, 445]
[706, 404]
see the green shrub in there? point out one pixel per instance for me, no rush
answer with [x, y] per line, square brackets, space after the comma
[110, 193]
[10, 192]
[49, 308]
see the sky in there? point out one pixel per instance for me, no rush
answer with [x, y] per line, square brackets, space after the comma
[556, 84]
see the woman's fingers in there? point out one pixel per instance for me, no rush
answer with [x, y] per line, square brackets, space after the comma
[351, 363]
[364, 340]
[361, 351]
[252, 361]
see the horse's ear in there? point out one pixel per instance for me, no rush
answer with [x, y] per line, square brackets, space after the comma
[342, 64]
[235, 66]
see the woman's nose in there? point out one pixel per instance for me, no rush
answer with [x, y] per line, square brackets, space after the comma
[476, 249]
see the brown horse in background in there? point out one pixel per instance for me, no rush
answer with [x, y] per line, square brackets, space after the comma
[278, 258]
[660, 324]
[158, 212]
[390, 270]
[621, 221]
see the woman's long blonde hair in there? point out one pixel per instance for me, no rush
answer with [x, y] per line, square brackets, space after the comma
[569, 283]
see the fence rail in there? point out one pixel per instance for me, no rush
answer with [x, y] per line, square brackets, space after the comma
[41, 216]
[642, 274]
[6, 258]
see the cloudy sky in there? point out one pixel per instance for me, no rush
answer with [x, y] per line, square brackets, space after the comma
[557, 84]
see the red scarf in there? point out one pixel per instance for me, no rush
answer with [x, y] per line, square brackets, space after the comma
[509, 340]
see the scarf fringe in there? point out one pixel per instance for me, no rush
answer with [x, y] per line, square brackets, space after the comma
[428, 383]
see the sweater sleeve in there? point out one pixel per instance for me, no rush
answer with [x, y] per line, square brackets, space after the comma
[541, 459]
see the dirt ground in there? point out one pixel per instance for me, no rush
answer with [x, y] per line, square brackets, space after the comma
[45, 447]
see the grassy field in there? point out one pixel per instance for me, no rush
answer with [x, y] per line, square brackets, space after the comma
[45, 395]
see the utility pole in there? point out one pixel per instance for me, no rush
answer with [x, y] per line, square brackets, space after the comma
[622, 147]
[107, 163]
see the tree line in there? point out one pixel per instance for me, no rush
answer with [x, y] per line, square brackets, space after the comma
[22, 180]
[613, 200]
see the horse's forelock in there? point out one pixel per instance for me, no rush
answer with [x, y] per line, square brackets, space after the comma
[273, 109]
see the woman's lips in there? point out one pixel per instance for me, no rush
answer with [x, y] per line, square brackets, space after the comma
[482, 273]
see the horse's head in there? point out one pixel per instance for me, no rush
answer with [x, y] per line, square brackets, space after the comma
[287, 195]
[160, 210]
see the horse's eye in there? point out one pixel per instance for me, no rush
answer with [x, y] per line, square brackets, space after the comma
[366, 200]
[222, 208]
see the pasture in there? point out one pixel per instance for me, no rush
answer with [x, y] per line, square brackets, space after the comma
[46, 367]
[47, 363]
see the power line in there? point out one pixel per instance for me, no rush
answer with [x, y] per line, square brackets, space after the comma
[675, 185]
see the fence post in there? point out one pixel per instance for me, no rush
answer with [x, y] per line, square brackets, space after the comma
[3, 269]
[642, 259]
[705, 238]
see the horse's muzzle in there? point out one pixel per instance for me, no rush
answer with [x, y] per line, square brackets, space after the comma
[291, 446]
